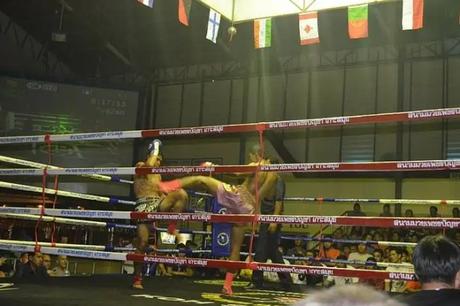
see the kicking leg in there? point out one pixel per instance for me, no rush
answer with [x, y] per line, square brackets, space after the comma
[192, 182]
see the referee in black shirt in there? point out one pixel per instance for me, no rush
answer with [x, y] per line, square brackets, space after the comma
[269, 237]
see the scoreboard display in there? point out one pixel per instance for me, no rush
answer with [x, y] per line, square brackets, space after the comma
[29, 107]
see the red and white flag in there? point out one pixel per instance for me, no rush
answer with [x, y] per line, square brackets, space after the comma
[308, 28]
[412, 18]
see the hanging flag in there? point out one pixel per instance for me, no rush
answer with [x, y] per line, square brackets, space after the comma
[412, 18]
[184, 7]
[358, 21]
[308, 28]
[213, 25]
[149, 3]
[263, 33]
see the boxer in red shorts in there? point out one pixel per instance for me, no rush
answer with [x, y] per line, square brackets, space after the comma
[238, 199]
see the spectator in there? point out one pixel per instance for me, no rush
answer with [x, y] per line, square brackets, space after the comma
[47, 263]
[378, 237]
[361, 255]
[310, 279]
[5, 268]
[395, 236]
[370, 246]
[386, 211]
[33, 269]
[327, 250]
[338, 235]
[273, 276]
[437, 266]
[412, 237]
[180, 270]
[356, 210]
[378, 255]
[405, 257]
[190, 246]
[409, 213]
[62, 267]
[281, 249]
[23, 258]
[340, 280]
[396, 286]
[378, 284]
[357, 295]
[346, 251]
[298, 249]
[356, 233]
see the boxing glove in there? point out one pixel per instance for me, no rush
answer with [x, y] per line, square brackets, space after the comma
[154, 147]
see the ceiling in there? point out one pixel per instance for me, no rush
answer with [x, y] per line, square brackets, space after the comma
[112, 37]
[244, 10]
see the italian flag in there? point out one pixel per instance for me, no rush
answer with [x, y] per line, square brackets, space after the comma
[412, 18]
[262, 33]
[358, 21]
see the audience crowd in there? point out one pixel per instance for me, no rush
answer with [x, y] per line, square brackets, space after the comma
[34, 266]
[343, 247]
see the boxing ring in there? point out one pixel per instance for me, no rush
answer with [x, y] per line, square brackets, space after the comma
[203, 293]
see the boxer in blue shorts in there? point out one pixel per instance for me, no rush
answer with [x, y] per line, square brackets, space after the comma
[149, 198]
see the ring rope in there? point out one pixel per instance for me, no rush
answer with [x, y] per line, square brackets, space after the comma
[66, 245]
[67, 221]
[197, 232]
[214, 263]
[349, 241]
[344, 261]
[387, 222]
[69, 194]
[427, 114]
[376, 200]
[352, 200]
[32, 164]
[106, 248]
[389, 166]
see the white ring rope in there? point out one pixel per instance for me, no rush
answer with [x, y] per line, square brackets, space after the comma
[398, 222]
[64, 245]
[32, 164]
[64, 251]
[213, 263]
[426, 114]
[63, 193]
[66, 220]
[54, 219]
[386, 166]
[377, 201]
[91, 214]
